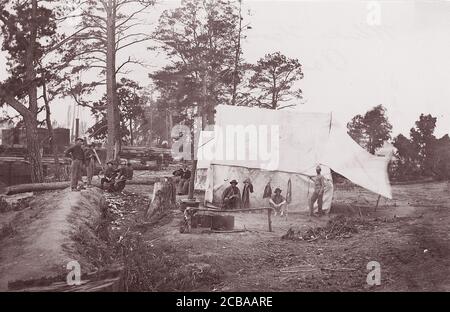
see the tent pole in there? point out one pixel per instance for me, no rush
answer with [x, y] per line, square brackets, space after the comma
[378, 201]
[331, 121]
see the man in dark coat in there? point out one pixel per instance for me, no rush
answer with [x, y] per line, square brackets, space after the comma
[109, 175]
[184, 176]
[122, 176]
[130, 171]
[77, 154]
[248, 188]
[231, 197]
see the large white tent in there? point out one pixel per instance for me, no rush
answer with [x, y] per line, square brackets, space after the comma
[275, 146]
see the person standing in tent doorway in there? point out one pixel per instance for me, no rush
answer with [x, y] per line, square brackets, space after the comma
[77, 154]
[317, 195]
[248, 188]
[278, 202]
[231, 197]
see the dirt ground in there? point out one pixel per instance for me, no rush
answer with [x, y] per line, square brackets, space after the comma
[408, 236]
[42, 240]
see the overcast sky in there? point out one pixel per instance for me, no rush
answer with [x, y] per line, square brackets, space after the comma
[353, 58]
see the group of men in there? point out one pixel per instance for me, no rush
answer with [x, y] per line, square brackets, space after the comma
[84, 155]
[231, 196]
[116, 178]
[232, 199]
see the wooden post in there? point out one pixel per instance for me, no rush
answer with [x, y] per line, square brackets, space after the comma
[269, 219]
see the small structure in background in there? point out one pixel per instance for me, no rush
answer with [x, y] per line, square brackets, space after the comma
[14, 167]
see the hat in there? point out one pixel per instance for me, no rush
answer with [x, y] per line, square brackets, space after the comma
[79, 139]
[233, 181]
[277, 190]
[318, 168]
[110, 162]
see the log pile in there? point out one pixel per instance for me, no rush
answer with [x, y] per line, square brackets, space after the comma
[15, 202]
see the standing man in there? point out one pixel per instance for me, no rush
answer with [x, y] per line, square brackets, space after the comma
[248, 188]
[319, 188]
[77, 154]
[278, 202]
[89, 156]
[231, 197]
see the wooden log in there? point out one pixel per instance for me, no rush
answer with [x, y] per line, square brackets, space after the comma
[36, 187]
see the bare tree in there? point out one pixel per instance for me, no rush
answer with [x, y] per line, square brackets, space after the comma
[109, 27]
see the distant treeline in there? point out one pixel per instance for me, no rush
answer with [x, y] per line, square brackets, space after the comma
[421, 155]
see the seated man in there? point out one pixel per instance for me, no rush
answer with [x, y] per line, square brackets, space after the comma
[231, 197]
[184, 176]
[109, 175]
[123, 175]
[278, 202]
[129, 171]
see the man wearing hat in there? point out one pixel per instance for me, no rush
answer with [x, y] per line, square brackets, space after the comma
[122, 176]
[109, 173]
[231, 196]
[76, 153]
[317, 195]
[183, 178]
[278, 202]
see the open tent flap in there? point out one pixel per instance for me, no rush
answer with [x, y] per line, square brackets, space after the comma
[346, 157]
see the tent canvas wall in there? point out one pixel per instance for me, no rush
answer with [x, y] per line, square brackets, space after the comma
[278, 145]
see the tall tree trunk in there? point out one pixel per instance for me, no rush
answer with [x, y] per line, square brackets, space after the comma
[112, 114]
[236, 58]
[51, 133]
[202, 109]
[131, 131]
[34, 149]
[30, 120]
[169, 132]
